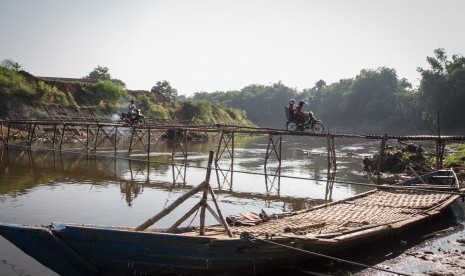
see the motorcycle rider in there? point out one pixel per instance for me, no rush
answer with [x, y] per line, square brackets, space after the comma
[292, 108]
[302, 116]
[132, 109]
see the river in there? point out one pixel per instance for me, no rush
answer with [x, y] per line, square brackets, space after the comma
[39, 186]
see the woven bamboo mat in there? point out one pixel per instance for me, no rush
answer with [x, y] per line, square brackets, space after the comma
[380, 207]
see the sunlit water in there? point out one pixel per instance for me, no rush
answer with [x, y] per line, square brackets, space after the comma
[40, 186]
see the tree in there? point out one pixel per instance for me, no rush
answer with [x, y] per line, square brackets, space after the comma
[101, 73]
[442, 89]
[320, 84]
[164, 88]
[11, 64]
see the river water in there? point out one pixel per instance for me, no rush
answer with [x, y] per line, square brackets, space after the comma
[39, 186]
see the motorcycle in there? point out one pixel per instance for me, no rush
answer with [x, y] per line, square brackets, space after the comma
[133, 118]
[291, 125]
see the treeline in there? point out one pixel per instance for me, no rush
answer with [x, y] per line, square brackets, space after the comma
[374, 100]
[23, 95]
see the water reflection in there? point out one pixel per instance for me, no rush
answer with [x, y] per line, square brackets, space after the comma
[47, 167]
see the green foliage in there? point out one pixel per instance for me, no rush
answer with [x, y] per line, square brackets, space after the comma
[376, 99]
[109, 91]
[101, 73]
[52, 94]
[11, 65]
[457, 159]
[264, 105]
[166, 90]
[152, 110]
[12, 83]
[197, 111]
[442, 89]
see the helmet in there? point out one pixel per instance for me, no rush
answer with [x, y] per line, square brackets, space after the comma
[301, 102]
[291, 101]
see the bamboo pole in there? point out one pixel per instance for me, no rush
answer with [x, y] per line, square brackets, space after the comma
[183, 218]
[381, 154]
[170, 208]
[416, 174]
[54, 134]
[148, 144]
[218, 156]
[222, 220]
[205, 194]
[62, 136]
[130, 142]
[180, 200]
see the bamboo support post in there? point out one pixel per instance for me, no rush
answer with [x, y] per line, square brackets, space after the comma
[62, 136]
[54, 135]
[274, 148]
[87, 138]
[116, 139]
[331, 153]
[130, 142]
[440, 148]
[31, 134]
[381, 154]
[205, 194]
[220, 152]
[8, 134]
[148, 144]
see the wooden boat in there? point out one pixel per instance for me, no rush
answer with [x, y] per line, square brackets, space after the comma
[76, 249]
[445, 178]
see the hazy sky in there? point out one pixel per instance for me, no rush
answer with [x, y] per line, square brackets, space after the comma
[215, 45]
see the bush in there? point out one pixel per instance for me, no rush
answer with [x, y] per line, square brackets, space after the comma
[456, 159]
[109, 91]
[13, 83]
[52, 94]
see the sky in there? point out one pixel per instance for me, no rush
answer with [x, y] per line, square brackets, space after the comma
[219, 45]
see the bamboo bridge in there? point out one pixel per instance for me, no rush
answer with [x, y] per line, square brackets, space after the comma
[92, 134]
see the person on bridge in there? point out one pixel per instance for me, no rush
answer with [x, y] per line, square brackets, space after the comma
[292, 108]
[302, 116]
[132, 107]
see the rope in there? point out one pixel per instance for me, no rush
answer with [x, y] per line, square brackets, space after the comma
[396, 187]
[249, 237]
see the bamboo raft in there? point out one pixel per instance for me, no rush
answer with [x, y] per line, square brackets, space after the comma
[377, 208]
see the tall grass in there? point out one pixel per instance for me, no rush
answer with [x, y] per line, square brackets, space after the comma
[13, 83]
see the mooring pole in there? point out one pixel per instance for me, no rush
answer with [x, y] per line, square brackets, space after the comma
[205, 194]
[381, 153]
[440, 148]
